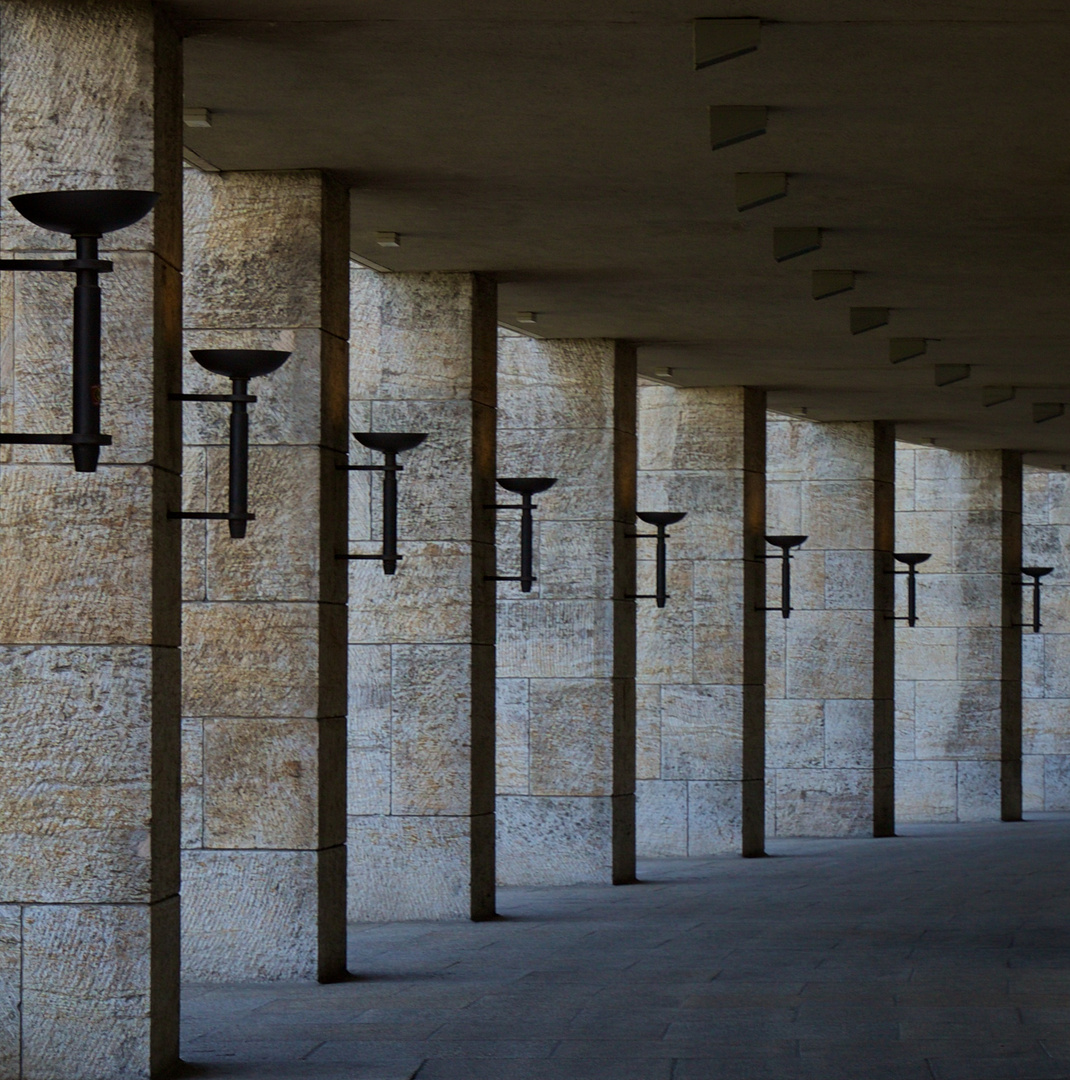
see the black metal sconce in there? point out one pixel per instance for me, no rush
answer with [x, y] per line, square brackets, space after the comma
[85, 216]
[661, 520]
[527, 487]
[238, 365]
[389, 444]
[785, 543]
[910, 559]
[1036, 573]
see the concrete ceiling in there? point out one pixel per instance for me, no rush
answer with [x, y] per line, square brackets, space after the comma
[563, 146]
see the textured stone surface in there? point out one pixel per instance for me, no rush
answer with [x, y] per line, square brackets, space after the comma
[89, 791]
[264, 632]
[702, 451]
[959, 670]
[567, 409]
[831, 669]
[421, 688]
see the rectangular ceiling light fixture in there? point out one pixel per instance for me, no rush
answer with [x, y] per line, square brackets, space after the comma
[996, 395]
[1047, 410]
[717, 40]
[830, 282]
[868, 318]
[790, 243]
[946, 374]
[756, 188]
[730, 124]
[197, 118]
[905, 348]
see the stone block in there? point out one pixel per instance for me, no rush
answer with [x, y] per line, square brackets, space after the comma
[1046, 726]
[192, 784]
[978, 791]
[647, 731]
[848, 734]
[194, 533]
[370, 697]
[713, 528]
[547, 840]
[1057, 665]
[776, 657]
[574, 562]
[1056, 782]
[801, 450]
[849, 580]
[369, 776]
[719, 642]
[957, 720]
[808, 580]
[10, 988]
[824, 802]
[959, 600]
[555, 639]
[970, 493]
[904, 720]
[926, 530]
[838, 515]
[274, 783]
[714, 817]
[258, 915]
[783, 507]
[432, 727]
[701, 428]
[702, 732]
[794, 732]
[667, 650]
[1033, 783]
[571, 740]
[926, 791]
[979, 649]
[661, 818]
[77, 814]
[264, 659]
[926, 652]
[830, 654]
[410, 868]
[513, 753]
[87, 982]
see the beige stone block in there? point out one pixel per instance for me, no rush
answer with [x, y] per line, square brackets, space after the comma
[1032, 783]
[1059, 498]
[1057, 783]
[257, 915]
[10, 988]
[783, 507]
[925, 791]
[776, 657]
[370, 695]
[545, 840]
[794, 732]
[192, 783]
[513, 736]
[713, 502]
[263, 659]
[647, 731]
[666, 650]
[1057, 665]
[830, 654]
[84, 964]
[573, 562]
[369, 776]
[571, 736]
[824, 802]
[838, 514]
[979, 650]
[957, 720]
[849, 580]
[719, 646]
[1046, 726]
[702, 732]
[194, 533]
[849, 734]
[76, 814]
[409, 868]
[714, 817]
[904, 720]
[808, 580]
[661, 818]
[801, 450]
[926, 652]
[929, 531]
[936, 463]
[697, 428]
[972, 493]
[555, 384]
[978, 791]
[555, 639]
[428, 599]
[432, 728]
[61, 528]
[272, 783]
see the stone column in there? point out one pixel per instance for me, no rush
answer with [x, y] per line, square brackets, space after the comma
[264, 616]
[421, 653]
[958, 691]
[831, 664]
[89, 606]
[566, 671]
[1046, 656]
[701, 659]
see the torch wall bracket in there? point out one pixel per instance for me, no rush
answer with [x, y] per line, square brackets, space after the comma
[910, 559]
[1035, 573]
[527, 487]
[661, 520]
[785, 544]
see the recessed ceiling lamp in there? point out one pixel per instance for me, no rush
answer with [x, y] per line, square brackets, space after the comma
[868, 318]
[825, 283]
[197, 118]
[905, 348]
[527, 317]
[388, 239]
[791, 243]
[1044, 411]
[731, 124]
[946, 374]
[758, 188]
[996, 395]
[717, 40]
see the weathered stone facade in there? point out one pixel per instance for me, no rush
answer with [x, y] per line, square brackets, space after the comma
[264, 686]
[89, 602]
[829, 691]
[958, 690]
[701, 659]
[421, 652]
[566, 651]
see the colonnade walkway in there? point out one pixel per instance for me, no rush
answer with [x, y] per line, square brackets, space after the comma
[941, 954]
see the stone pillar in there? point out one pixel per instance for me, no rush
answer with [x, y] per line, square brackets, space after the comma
[958, 691]
[263, 869]
[421, 653]
[1046, 656]
[89, 606]
[831, 664]
[700, 690]
[566, 671]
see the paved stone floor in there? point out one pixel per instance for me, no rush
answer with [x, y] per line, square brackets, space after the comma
[943, 954]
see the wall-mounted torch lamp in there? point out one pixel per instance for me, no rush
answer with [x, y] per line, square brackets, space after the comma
[527, 487]
[85, 216]
[389, 444]
[238, 365]
[1036, 573]
[661, 520]
[785, 543]
[910, 559]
